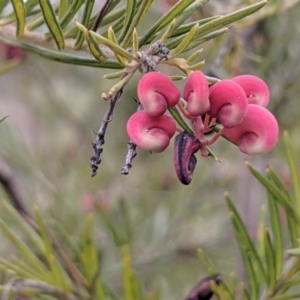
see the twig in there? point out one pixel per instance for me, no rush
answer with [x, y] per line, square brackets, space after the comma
[44, 288]
[8, 32]
[101, 15]
[131, 153]
[99, 141]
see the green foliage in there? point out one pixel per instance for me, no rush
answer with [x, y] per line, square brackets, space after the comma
[73, 270]
[47, 269]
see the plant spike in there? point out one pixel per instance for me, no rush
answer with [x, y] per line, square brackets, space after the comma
[165, 19]
[168, 32]
[72, 33]
[189, 11]
[129, 14]
[185, 42]
[114, 75]
[11, 17]
[20, 13]
[270, 261]
[111, 36]
[194, 56]
[141, 11]
[135, 42]
[61, 278]
[206, 38]
[94, 47]
[24, 250]
[89, 256]
[243, 233]
[68, 16]
[64, 6]
[89, 4]
[52, 23]
[278, 195]
[293, 170]
[102, 40]
[230, 18]
[276, 226]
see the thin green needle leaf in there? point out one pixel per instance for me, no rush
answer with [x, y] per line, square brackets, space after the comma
[187, 27]
[89, 257]
[179, 119]
[165, 19]
[116, 48]
[184, 15]
[185, 42]
[172, 33]
[177, 77]
[11, 17]
[72, 33]
[168, 32]
[293, 169]
[194, 56]
[89, 4]
[20, 13]
[245, 292]
[270, 261]
[111, 36]
[247, 258]
[68, 240]
[100, 290]
[242, 231]
[24, 250]
[68, 16]
[230, 18]
[260, 234]
[94, 47]
[67, 58]
[135, 42]
[30, 232]
[116, 27]
[286, 297]
[129, 14]
[130, 283]
[276, 226]
[279, 196]
[64, 5]
[141, 11]
[17, 269]
[196, 42]
[272, 176]
[61, 278]
[32, 273]
[52, 23]
[37, 21]
[210, 266]
[293, 252]
[114, 75]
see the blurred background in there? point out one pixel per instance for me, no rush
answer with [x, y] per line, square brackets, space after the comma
[54, 110]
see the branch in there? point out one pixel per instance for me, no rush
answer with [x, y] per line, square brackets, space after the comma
[99, 141]
[11, 187]
[131, 153]
[35, 42]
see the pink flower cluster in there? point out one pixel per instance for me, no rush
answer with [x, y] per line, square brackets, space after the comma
[238, 104]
